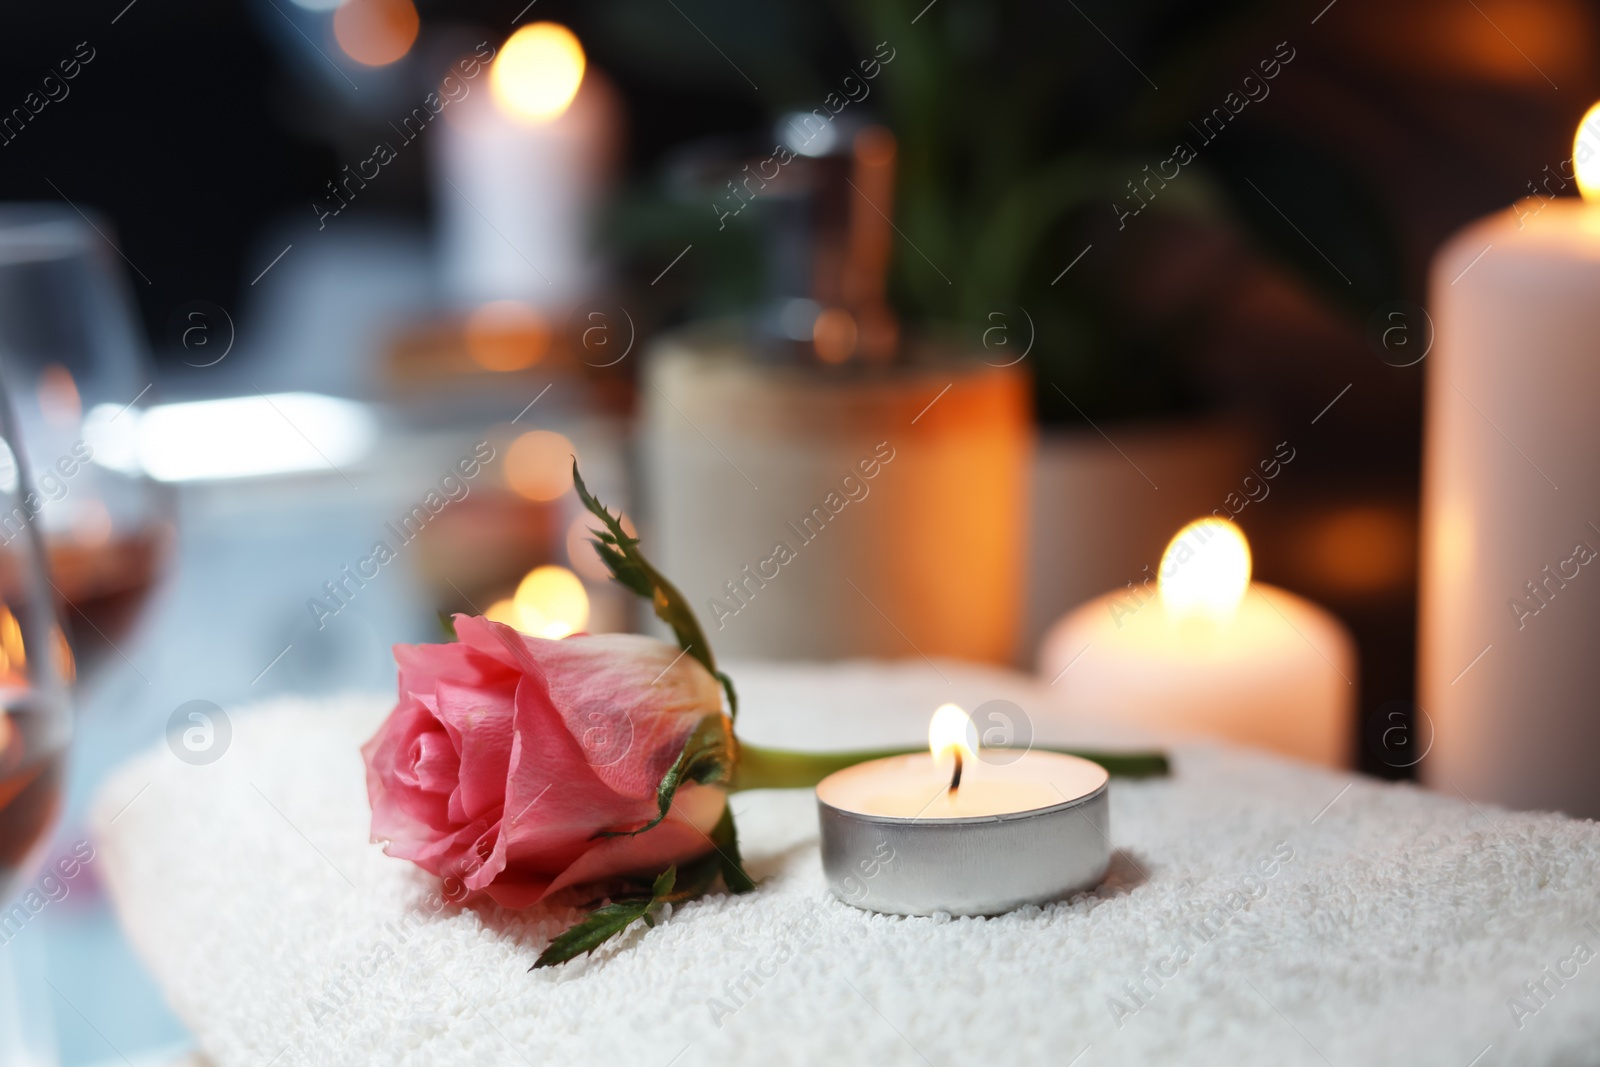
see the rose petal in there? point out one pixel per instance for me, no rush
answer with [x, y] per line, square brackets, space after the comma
[632, 701]
[554, 802]
[423, 667]
[434, 765]
[480, 723]
[401, 811]
[508, 755]
[679, 838]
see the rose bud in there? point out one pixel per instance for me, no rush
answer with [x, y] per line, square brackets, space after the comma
[515, 766]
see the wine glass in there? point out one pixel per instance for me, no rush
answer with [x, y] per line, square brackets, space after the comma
[35, 718]
[76, 372]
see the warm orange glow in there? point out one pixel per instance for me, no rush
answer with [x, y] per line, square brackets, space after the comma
[580, 549]
[13, 657]
[375, 33]
[6, 730]
[64, 661]
[950, 730]
[1205, 570]
[1506, 42]
[506, 335]
[1363, 549]
[550, 602]
[502, 610]
[539, 465]
[58, 397]
[537, 72]
[1586, 154]
[834, 335]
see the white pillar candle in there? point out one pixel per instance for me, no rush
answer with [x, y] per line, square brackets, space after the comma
[519, 172]
[1203, 650]
[1510, 595]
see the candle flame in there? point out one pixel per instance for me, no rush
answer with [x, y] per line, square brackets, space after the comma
[538, 71]
[1586, 154]
[950, 731]
[1205, 570]
[550, 602]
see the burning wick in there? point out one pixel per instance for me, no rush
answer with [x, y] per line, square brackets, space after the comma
[951, 731]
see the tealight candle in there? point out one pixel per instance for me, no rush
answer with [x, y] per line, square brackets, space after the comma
[1210, 652]
[958, 831]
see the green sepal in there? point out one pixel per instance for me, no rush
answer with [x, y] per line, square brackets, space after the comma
[602, 924]
[707, 757]
[725, 836]
[627, 565]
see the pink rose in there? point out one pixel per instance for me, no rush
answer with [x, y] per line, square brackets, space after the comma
[509, 757]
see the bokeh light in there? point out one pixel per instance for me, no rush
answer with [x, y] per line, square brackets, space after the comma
[549, 602]
[1364, 549]
[375, 33]
[538, 71]
[539, 465]
[834, 335]
[506, 335]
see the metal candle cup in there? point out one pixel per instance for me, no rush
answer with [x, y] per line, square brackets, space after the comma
[880, 853]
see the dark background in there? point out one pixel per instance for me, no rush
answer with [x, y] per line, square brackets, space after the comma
[199, 125]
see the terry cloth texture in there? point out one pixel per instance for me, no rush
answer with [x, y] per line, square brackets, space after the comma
[1257, 911]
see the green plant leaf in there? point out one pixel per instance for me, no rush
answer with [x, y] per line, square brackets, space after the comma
[589, 933]
[627, 565]
[709, 752]
[695, 878]
[602, 924]
[726, 837]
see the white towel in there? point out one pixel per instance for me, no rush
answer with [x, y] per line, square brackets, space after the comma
[1259, 912]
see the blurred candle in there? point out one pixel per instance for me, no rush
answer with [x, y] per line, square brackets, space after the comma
[523, 156]
[1510, 595]
[550, 602]
[1204, 650]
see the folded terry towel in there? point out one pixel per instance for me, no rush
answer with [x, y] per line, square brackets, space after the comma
[1257, 912]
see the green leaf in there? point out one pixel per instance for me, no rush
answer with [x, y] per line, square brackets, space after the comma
[594, 930]
[602, 924]
[627, 565]
[696, 878]
[725, 836]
